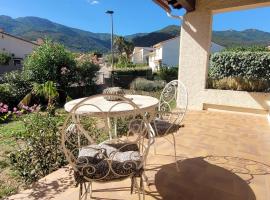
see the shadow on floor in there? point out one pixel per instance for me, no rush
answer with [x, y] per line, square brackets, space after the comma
[48, 190]
[200, 180]
[241, 166]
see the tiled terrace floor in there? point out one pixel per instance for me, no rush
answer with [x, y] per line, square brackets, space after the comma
[223, 156]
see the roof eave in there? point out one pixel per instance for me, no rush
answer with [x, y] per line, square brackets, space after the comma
[163, 4]
[189, 5]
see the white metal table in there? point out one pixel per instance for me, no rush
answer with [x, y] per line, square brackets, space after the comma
[99, 105]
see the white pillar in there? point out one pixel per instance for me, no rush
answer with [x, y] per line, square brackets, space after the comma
[195, 43]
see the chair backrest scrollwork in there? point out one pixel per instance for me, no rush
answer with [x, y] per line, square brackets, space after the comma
[173, 103]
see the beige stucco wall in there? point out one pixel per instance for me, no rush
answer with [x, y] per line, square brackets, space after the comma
[15, 46]
[194, 57]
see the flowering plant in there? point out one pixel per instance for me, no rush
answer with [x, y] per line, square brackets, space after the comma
[5, 114]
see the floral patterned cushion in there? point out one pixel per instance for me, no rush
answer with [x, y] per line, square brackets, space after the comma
[106, 162]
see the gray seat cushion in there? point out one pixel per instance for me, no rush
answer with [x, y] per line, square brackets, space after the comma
[163, 127]
[106, 162]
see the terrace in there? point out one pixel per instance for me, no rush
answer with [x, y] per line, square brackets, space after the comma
[221, 156]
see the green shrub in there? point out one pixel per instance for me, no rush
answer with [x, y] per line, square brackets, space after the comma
[243, 70]
[247, 48]
[168, 73]
[124, 62]
[86, 73]
[123, 77]
[250, 65]
[39, 152]
[13, 88]
[147, 85]
[240, 84]
[51, 62]
[4, 58]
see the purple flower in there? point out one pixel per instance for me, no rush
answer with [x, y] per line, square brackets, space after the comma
[19, 113]
[5, 106]
[15, 109]
[1, 104]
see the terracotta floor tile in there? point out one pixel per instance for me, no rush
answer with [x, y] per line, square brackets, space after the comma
[222, 156]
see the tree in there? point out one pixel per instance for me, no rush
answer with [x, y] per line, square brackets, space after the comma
[123, 46]
[51, 62]
[48, 90]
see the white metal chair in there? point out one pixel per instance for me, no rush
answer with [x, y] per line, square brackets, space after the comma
[122, 156]
[171, 112]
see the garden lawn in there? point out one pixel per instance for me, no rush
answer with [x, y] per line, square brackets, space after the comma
[9, 182]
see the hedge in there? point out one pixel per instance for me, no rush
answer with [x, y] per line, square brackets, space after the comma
[251, 66]
[123, 77]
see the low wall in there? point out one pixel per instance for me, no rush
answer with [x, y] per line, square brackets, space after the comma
[9, 68]
[231, 100]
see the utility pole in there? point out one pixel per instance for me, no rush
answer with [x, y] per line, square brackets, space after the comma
[110, 12]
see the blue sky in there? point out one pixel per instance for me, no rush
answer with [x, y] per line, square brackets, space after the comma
[130, 16]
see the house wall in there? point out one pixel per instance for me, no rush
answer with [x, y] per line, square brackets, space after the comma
[170, 52]
[195, 45]
[137, 56]
[155, 57]
[140, 56]
[151, 63]
[15, 46]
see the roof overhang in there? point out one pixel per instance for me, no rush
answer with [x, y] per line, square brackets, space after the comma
[163, 4]
[189, 5]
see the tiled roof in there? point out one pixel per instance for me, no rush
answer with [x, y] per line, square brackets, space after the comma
[18, 38]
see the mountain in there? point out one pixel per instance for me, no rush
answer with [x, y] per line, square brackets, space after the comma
[225, 38]
[155, 37]
[240, 38]
[32, 28]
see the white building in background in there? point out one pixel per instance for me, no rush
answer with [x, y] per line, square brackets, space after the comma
[167, 53]
[140, 55]
[17, 47]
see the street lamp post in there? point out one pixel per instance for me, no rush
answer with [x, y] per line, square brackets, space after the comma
[110, 12]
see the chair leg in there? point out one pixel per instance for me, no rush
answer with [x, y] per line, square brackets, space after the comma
[80, 191]
[155, 148]
[175, 153]
[137, 188]
[132, 185]
[146, 179]
[85, 190]
[142, 187]
[91, 189]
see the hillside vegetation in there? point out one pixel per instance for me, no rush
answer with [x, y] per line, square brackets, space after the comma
[32, 28]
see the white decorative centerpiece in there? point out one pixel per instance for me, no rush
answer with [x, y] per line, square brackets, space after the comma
[114, 91]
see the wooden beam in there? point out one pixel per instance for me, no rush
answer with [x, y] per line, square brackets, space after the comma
[163, 4]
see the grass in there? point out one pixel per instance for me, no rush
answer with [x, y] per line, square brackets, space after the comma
[10, 182]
